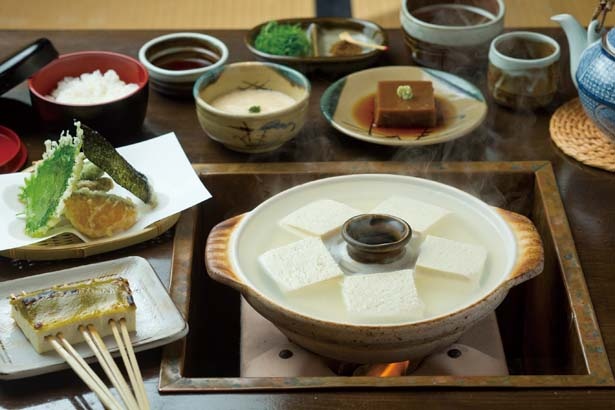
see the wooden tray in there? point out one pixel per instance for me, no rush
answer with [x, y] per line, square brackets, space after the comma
[67, 245]
[549, 330]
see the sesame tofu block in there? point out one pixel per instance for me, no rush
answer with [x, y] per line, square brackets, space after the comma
[451, 259]
[390, 110]
[387, 294]
[300, 264]
[321, 218]
[419, 215]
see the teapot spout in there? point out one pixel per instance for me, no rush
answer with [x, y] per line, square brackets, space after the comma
[578, 39]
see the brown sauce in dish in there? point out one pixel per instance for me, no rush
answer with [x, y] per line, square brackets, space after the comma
[187, 64]
[363, 114]
[186, 60]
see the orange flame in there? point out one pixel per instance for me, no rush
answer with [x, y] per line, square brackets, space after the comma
[387, 369]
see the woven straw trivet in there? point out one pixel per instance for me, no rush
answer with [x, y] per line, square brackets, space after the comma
[578, 137]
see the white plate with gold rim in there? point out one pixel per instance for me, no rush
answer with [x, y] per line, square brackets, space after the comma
[348, 105]
[158, 321]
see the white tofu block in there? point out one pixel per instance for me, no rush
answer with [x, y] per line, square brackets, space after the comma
[300, 264]
[386, 294]
[419, 215]
[320, 218]
[451, 259]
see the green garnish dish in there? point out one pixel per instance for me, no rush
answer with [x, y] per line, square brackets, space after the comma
[283, 40]
[52, 181]
[255, 109]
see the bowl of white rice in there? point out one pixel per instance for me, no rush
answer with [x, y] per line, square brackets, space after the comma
[106, 90]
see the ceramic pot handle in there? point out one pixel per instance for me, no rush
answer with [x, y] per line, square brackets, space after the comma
[217, 251]
[530, 253]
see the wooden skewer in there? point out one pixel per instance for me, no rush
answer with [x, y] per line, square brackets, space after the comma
[120, 378]
[125, 359]
[135, 364]
[96, 344]
[130, 362]
[95, 385]
[347, 37]
[86, 367]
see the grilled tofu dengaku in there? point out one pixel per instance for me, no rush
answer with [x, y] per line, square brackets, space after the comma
[63, 308]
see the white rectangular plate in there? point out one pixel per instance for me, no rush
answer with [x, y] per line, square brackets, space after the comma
[158, 320]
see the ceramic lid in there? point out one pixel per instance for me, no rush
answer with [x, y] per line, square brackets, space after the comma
[609, 44]
[25, 62]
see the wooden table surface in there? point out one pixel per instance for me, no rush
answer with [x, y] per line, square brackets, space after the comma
[506, 135]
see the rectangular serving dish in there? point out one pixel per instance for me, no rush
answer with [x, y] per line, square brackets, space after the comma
[548, 327]
[158, 320]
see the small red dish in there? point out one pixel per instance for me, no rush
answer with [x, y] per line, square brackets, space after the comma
[10, 146]
[11, 151]
[17, 163]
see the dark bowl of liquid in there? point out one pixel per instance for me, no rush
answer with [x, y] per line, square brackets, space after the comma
[376, 238]
[174, 61]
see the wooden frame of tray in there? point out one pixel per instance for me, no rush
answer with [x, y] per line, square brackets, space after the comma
[67, 245]
[587, 364]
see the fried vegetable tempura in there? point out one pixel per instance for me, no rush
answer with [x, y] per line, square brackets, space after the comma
[99, 214]
[98, 150]
[100, 184]
[90, 171]
[52, 181]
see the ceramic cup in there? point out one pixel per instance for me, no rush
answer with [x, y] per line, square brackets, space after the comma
[451, 35]
[523, 69]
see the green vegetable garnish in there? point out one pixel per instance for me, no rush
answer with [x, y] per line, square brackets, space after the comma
[405, 92]
[53, 180]
[255, 109]
[283, 39]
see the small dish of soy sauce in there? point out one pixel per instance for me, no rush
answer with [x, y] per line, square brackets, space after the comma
[174, 61]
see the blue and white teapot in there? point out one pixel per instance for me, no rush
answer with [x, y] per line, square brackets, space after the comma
[592, 67]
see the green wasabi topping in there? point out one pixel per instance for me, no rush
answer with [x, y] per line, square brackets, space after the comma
[405, 92]
[255, 109]
[283, 39]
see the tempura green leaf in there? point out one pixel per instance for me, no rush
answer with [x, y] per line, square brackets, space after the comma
[52, 181]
